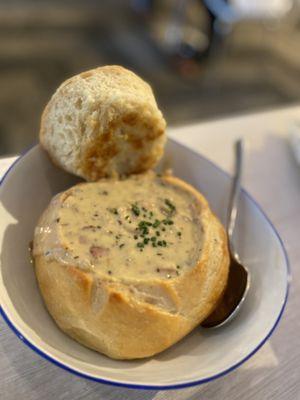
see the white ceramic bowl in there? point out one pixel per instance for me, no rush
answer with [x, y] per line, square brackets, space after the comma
[200, 357]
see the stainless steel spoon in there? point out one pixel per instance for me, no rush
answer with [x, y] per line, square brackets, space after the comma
[238, 278]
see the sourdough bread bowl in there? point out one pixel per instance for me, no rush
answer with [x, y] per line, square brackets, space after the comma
[103, 122]
[130, 262]
[128, 267]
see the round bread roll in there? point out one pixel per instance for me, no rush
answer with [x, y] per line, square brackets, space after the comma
[129, 267]
[103, 122]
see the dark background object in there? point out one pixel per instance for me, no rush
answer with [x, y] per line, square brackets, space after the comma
[215, 68]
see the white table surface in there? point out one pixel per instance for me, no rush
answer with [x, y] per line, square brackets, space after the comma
[273, 178]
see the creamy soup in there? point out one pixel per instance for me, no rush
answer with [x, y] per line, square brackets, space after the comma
[135, 228]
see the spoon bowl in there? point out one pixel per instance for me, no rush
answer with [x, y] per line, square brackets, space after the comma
[238, 278]
[234, 295]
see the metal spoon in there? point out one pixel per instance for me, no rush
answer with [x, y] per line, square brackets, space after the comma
[238, 278]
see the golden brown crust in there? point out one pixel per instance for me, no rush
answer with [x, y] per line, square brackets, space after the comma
[106, 315]
[102, 123]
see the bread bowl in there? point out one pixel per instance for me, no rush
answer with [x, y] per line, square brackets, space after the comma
[103, 122]
[112, 287]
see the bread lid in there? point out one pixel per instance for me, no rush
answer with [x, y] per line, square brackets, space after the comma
[103, 122]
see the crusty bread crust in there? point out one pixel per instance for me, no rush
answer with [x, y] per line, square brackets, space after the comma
[109, 315]
[103, 122]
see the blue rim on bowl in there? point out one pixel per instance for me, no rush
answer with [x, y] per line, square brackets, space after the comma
[40, 352]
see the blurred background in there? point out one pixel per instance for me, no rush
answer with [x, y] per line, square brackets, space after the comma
[204, 59]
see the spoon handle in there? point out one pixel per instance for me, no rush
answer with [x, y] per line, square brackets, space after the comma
[235, 190]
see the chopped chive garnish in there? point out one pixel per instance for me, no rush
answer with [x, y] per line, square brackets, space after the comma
[156, 223]
[170, 205]
[135, 209]
[168, 222]
[113, 211]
